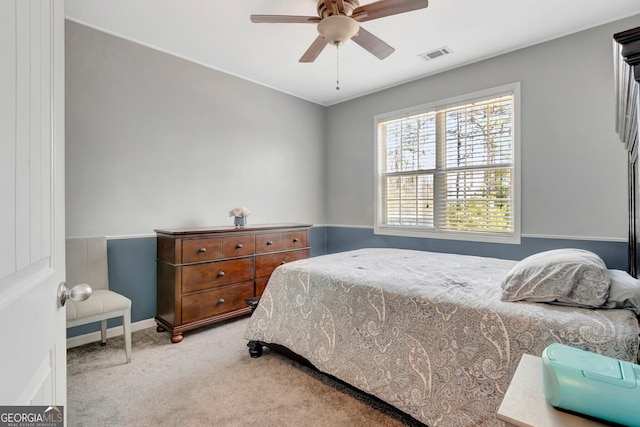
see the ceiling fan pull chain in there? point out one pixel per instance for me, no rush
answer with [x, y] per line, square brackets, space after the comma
[337, 67]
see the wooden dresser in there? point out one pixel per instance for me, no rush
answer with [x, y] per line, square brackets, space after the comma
[206, 274]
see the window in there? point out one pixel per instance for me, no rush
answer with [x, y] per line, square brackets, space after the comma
[449, 169]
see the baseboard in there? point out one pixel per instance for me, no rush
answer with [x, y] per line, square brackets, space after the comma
[111, 332]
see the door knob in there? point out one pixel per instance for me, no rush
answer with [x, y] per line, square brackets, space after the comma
[78, 293]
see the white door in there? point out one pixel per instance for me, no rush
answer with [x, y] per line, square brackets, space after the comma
[32, 325]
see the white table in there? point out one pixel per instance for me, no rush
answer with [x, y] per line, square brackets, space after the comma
[524, 404]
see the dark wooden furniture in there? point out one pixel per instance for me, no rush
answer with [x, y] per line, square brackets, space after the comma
[206, 274]
[627, 67]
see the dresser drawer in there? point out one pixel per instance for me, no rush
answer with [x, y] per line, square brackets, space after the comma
[294, 240]
[237, 246]
[209, 275]
[197, 250]
[265, 264]
[271, 242]
[283, 241]
[218, 301]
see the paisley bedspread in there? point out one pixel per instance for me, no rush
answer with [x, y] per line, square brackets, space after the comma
[423, 331]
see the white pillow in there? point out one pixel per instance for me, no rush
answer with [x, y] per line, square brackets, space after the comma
[569, 276]
[624, 292]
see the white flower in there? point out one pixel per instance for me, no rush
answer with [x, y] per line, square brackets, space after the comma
[239, 212]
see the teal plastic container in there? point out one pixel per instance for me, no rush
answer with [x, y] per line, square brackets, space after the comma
[591, 384]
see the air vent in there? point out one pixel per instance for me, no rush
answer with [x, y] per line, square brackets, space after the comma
[435, 53]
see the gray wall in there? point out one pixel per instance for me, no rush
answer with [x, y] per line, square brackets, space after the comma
[573, 164]
[154, 141]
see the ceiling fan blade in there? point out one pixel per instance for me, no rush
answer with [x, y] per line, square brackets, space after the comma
[373, 44]
[384, 8]
[284, 19]
[314, 50]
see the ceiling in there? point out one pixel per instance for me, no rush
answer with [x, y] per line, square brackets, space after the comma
[219, 34]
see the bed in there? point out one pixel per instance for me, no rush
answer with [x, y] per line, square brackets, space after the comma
[438, 335]
[425, 332]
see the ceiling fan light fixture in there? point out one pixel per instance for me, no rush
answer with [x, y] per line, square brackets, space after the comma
[337, 29]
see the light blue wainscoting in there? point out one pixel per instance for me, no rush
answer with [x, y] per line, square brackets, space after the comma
[132, 261]
[339, 239]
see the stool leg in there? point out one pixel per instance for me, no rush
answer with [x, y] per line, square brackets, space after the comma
[126, 329]
[103, 332]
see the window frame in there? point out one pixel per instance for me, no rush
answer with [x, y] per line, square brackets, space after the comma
[424, 232]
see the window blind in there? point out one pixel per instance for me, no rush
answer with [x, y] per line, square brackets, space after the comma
[449, 169]
[475, 190]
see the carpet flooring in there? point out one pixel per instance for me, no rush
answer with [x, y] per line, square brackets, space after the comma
[209, 380]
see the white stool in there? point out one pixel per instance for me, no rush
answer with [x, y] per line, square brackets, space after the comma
[87, 263]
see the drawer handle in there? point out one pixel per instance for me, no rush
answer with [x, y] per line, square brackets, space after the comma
[239, 246]
[269, 243]
[202, 250]
[296, 240]
[221, 274]
[221, 301]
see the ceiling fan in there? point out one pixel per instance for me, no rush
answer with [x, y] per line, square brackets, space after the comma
[339, 20]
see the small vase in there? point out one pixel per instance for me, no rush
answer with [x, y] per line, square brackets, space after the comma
[240, 221]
